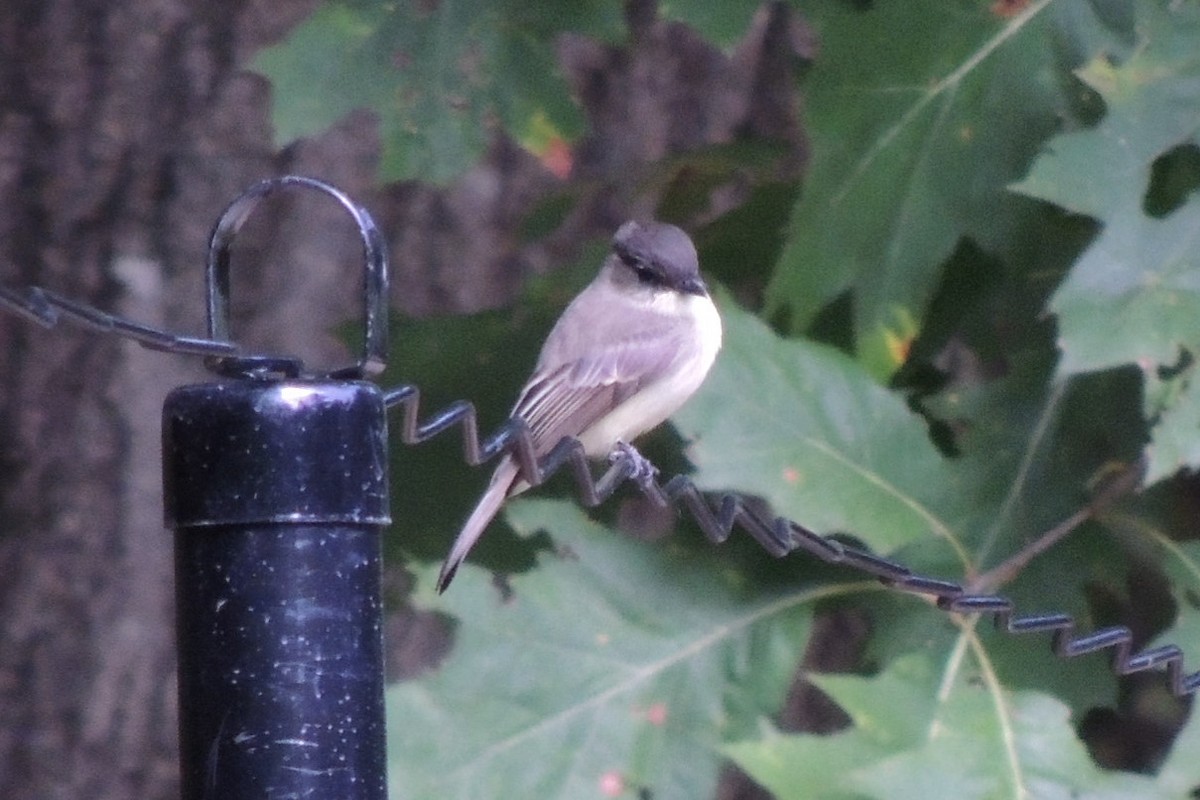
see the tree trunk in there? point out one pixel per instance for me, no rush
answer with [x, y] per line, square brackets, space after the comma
[124, 128]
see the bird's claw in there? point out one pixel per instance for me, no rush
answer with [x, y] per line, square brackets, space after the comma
[642, 470]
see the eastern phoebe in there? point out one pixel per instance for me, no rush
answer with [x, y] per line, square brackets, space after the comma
[625, 355]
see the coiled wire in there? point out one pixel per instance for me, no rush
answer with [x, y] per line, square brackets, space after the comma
[717, 517]
[720, 515]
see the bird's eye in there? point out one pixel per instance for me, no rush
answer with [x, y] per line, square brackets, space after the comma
[647, 274]
[645, 271]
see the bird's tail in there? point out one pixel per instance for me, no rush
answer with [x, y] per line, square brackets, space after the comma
[473, 528]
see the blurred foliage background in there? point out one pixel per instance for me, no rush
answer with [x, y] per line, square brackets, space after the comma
[961, 292]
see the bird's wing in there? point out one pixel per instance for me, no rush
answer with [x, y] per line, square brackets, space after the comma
[576, 385]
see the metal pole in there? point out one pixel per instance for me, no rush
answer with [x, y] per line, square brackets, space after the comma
[277, 494]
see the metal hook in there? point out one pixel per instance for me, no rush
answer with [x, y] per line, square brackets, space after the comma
[375, 282]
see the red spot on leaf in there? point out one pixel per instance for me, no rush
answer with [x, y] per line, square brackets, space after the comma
[557, 157]
[612, 784]
[1008, 8]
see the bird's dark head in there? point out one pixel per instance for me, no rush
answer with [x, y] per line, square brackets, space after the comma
[660, 256]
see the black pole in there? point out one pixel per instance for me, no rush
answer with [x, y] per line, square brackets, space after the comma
[277, 493]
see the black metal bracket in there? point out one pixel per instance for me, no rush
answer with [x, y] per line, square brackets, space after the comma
[375, 284]
[222, 355]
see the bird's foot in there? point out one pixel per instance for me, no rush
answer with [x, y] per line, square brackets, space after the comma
[643, 472]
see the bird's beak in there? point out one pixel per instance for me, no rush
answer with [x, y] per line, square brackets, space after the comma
[694, 286]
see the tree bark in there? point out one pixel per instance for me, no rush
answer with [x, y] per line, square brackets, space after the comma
[124, 128]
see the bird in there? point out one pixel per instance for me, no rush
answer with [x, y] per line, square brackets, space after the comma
[625, 354]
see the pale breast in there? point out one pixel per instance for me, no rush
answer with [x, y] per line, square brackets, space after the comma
[659, 399]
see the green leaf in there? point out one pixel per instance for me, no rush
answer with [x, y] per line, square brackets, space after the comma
[926, 733]
[805, 427]
[919, 114]
[1180, 773]
[1182, 563]
[1175, 404]
[722, 22]
[440, 76]
[909, 685]
[1134, 295]
[1179, 562]
[1031, 451]
[616, 661]
[1029, 749]
[806, 767]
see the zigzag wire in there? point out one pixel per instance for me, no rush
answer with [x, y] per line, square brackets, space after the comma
[779, 536]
